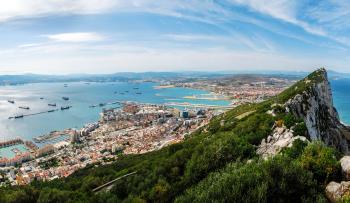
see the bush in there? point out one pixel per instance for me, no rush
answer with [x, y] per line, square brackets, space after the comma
[321, 161]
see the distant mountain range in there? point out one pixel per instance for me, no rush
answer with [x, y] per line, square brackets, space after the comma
[128, 76]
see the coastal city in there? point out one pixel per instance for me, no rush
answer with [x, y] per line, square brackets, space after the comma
[238, 89]
[131, 128]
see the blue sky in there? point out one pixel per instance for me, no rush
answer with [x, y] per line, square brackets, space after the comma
[106, 36]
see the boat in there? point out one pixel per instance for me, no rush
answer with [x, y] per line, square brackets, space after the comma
[65, 107]
[41, 98]
[138, 92]
[11, 101]
[53, 104]
[51, 110]
[65, 98]
[19, 116]
[24, 107]
[102, 104]
[93, 106]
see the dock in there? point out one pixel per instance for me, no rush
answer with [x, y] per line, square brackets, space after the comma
[32, 114]
[105, 104]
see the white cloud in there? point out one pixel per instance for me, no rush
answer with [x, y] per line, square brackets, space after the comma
[23, 8]
[76, 37]
[71, 57]
[286, 10]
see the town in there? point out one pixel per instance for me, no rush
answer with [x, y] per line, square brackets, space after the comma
[133, 129]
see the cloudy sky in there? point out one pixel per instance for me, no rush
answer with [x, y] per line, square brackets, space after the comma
[106, 36]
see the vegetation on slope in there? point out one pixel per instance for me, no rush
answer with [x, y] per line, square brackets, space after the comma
[209, 165]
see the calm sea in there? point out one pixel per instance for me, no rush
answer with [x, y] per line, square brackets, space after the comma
[341, 95]
[81, 97]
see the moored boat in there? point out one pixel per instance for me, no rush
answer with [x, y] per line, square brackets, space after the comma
[19, 116]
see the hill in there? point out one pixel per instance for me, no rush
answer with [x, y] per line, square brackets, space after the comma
[220, 162]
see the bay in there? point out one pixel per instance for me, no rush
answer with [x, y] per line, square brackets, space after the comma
[81, 96]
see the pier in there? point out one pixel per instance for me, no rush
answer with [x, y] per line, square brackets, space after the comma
[32, 114]
[106, 104]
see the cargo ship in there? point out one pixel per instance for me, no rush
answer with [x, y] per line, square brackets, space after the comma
[65, 107]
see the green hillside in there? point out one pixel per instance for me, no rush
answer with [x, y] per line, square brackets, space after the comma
[217, 163]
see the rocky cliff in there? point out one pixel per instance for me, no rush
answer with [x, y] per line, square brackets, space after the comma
[315, 106]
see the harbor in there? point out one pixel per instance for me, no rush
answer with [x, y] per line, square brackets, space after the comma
[86, 102]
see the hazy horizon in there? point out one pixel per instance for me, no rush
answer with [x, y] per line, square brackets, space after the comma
[110, 36]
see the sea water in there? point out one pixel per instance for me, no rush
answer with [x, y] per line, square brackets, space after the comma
[341, 98]
[81, 96]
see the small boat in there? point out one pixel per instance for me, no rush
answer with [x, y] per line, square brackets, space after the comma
[53, 104]
[65, 98]
[11, 101]
[138, 93]
[65, 107]
[19, 116]
[50, 111]
[102, 104]
[24, 107]
[93, 106]
[41, 98]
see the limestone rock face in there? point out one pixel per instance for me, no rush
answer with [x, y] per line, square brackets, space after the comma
[335, 191]
[281, 138]
[315, 107]
[345, 166]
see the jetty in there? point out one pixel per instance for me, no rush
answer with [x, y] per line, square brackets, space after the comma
[105, 104]
[31, 114]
